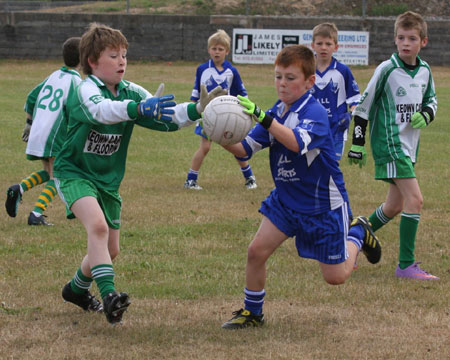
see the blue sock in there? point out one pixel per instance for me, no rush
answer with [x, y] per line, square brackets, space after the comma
[356, 235]
[247, 171]
[254, 301]
[192, 175]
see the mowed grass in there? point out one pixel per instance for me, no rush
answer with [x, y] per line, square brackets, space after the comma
[183, 252]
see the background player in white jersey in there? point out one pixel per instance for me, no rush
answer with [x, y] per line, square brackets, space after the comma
[309, 201]
[216, 72]
[335, 87]
[400, 100]
[45, 131]
[102, 112]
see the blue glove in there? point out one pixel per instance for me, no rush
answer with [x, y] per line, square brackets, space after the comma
[157, 108]
[357, 155]
[344, 120]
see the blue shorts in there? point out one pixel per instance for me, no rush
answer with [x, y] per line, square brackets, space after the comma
[199, 130]
[322, 237]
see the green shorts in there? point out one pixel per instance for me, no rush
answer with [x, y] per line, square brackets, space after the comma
[398, 169]
[70, 190]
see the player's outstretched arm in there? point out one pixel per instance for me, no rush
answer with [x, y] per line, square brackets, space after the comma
[206, 97]
[157, 108]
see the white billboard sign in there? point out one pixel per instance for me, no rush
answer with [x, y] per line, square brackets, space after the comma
[261, 46]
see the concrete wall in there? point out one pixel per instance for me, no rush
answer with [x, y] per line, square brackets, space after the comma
[172, 37]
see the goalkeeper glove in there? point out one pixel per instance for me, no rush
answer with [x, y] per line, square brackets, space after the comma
[157, 108]
[357, 155]
[206, 97]
[419, 120]
[26, 130]
[254, 110]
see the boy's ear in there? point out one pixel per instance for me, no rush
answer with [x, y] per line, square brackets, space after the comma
[91, 63]
[424, 42]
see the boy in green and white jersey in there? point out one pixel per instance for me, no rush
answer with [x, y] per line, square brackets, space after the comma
[400, 100]
[102, 112]
[45, 132]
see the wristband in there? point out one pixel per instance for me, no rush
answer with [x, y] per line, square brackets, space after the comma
[266, 121]
[359, 131]
[29, 121]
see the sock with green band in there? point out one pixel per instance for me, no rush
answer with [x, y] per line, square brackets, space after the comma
[408, 231]
[103, 275]
[80, 283]
[378, 218]
[34, 179]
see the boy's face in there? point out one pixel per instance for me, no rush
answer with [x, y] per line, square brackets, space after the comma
[291, 84]
[324, 47]
[409, 44]
[110, 66]
[218, 53]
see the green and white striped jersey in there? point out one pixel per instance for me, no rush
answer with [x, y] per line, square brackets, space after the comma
[46, 103]
[99, 129]
[393, 95]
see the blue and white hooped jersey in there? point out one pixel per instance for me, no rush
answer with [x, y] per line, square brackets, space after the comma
[309, 181]
[336, 89]
[228, 78]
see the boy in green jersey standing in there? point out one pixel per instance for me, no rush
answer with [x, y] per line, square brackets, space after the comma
[400, 100]
[102, 111]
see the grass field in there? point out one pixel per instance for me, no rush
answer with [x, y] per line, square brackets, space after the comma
[183, 252]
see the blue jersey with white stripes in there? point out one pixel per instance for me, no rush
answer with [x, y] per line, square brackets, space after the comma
[336, 89]
[209, 75]
[309, 181]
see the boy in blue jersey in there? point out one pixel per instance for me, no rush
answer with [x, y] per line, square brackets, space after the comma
[216, 72]
[335, 87]
[309, 200]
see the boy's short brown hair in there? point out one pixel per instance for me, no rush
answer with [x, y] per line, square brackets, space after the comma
[95, 40]
[299, 55]
[411, 20]
[71, 52]
[220, 37]
[326, 30]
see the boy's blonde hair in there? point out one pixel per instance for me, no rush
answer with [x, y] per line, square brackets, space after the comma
[299, 55]
[411, 20]
[95, 40]
[326, 30]
[220, 37]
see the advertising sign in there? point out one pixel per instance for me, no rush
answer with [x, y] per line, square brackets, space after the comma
[261, 46]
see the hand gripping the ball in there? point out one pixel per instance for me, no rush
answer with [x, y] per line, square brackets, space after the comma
[206, 97]
[157, 107]
[255, 111]
[357, 155]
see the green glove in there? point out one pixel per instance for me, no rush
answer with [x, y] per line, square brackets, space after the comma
[255, 111]
[419, 120]
[357, 155]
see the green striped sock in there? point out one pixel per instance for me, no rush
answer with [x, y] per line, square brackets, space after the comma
[103, 275]
[80, 283]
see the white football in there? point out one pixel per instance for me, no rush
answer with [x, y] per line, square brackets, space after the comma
[225, 122]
